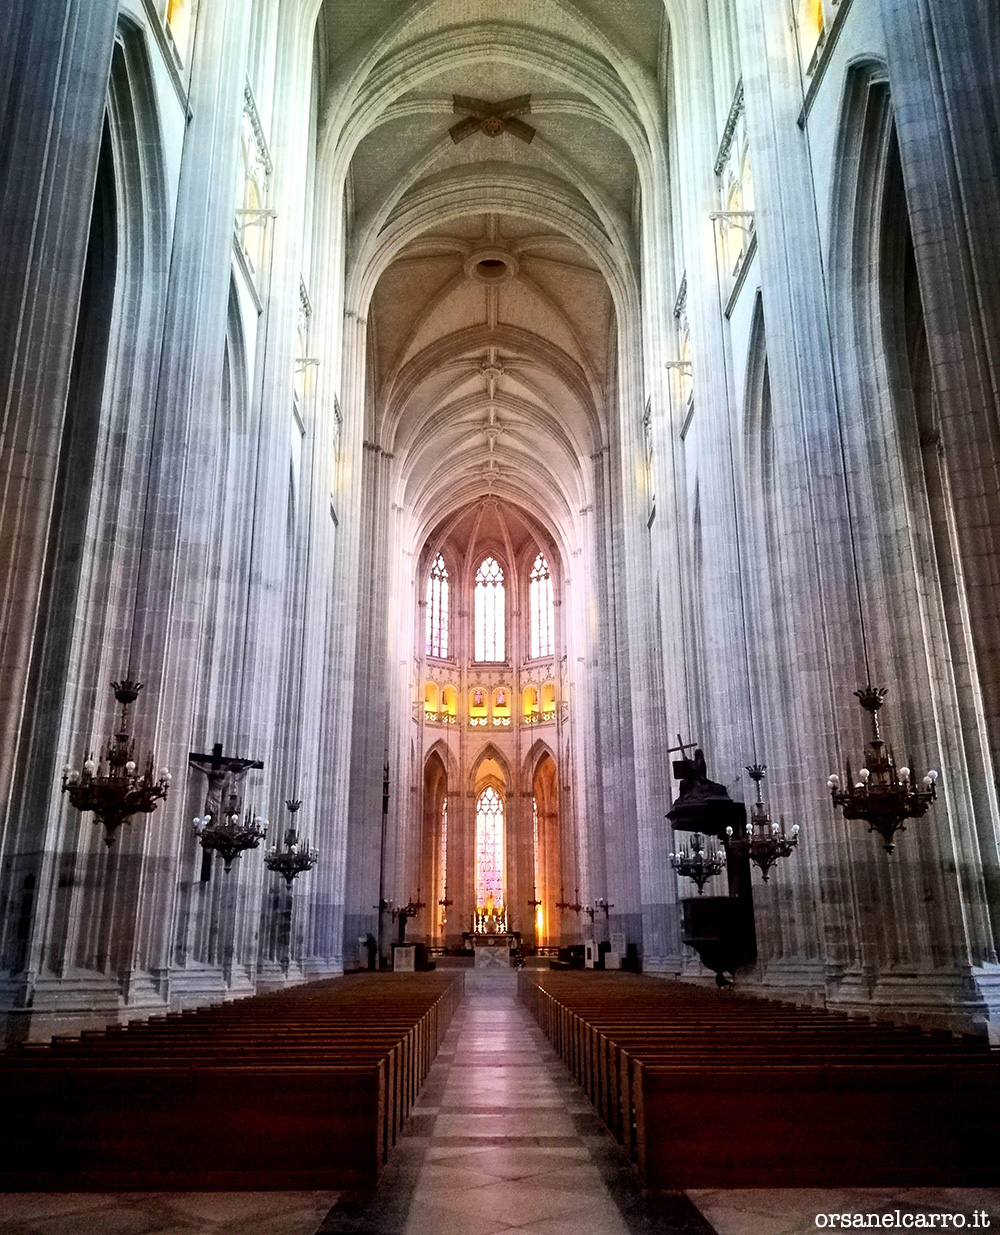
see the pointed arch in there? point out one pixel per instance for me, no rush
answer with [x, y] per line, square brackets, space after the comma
[434, 837]
[546, 842]
[538, 750]
[492, 765]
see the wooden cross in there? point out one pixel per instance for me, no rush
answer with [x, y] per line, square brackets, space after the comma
[680, 765]
[491, 118]
[222, 771]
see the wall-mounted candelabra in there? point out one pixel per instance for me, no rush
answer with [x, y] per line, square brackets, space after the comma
[232, 834]
[562, 904]
[883, 795]
[113, 787]
[296, 856]
[697, 865]
[603, 904]
[763, 842]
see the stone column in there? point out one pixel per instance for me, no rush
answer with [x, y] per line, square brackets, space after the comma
[57, 55]
[945, 82]
[173, 588]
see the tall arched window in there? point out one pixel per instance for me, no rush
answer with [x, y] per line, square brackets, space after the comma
[489, 609]
[437, 609]
[489, 847]
[540, 595]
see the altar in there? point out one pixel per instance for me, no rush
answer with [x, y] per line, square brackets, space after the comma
[493, 951]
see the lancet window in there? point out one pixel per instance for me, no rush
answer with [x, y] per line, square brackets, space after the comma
[540, 598]
[489, 848]
[489, 611]
[437, 609]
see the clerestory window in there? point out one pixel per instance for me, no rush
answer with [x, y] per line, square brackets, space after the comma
[437, 609]
[489, 611]
[540, 605]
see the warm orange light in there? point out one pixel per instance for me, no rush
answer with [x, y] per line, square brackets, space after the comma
[179, 17]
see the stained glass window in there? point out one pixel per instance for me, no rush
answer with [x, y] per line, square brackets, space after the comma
[540, 596]
[489, 611]
[489, 847]
[437, 609]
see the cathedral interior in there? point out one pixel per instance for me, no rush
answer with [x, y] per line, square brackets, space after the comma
[496, 492]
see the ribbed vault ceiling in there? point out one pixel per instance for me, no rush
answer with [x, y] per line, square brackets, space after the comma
[493, 271]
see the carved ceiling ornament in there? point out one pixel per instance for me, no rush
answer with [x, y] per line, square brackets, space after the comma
[491, 118]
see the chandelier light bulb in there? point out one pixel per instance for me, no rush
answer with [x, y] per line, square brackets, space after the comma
[833, 782]
[89, 766]
[904, 775]
[864, 775]
[130, 767]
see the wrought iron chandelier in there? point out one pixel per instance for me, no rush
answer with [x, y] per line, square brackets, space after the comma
[296, 857]
[112, 787]
[231, 834]
[764, 842]
[696, 864]
[883, 795]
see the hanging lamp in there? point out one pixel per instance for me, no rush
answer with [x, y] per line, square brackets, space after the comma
[113, 787]
[884, 796]
[764, 841]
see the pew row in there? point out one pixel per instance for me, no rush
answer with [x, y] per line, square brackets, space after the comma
[302, 1089]
[712, 1089]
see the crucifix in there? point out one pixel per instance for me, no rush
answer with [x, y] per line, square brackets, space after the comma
[491, 118]
[681, 765]
[223, 773]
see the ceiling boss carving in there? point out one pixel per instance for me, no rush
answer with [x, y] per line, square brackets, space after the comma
[491, 118]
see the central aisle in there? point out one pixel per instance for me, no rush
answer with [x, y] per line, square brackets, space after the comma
[503, 1139]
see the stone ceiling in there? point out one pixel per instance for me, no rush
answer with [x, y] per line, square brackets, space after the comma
[493, 271]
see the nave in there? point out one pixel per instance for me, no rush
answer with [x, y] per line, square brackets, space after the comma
[501, 1138]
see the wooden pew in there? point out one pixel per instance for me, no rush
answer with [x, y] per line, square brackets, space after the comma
[303, 1089]
[708, 1089]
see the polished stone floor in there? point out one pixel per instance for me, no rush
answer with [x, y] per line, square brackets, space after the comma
[501, 1140]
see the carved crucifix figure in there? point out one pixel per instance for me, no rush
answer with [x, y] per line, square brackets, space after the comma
[491, 118]
[223, 773]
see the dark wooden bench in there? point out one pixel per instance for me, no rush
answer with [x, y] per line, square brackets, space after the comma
[303, 1089]
[707, 1089]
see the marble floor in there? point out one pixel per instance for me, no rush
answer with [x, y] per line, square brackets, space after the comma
[501, 1140]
